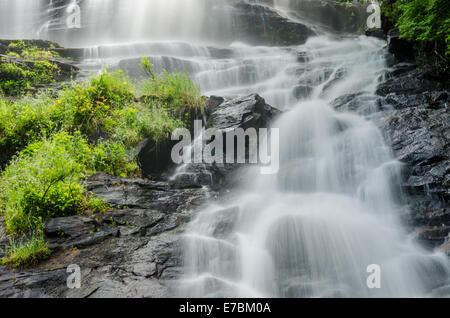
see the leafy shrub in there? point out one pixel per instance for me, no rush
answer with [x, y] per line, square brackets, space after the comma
[24, 121]
[26, 253]
[111, 157]
[426, 22]
[88, 105]
[44, 181]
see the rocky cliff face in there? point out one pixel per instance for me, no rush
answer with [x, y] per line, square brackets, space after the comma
[412, 110]
[418, 129]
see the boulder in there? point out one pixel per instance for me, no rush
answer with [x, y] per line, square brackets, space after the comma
[243, 112]
[400, 48]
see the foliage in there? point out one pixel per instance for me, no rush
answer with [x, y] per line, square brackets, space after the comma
[27, 252]
[25, 67]
[111, 157]
[426, 23]
[44, 181]
[24, 121]
[104, 106]
[20, 49]
[89, 105]
[140, 121]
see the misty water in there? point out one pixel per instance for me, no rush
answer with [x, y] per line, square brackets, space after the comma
[332, 211]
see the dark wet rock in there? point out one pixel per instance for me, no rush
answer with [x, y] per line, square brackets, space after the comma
[244, 112]
[302, 92]
[212, 103]
[258, 24]
[415, 120]
[74, 231]
[406, 80]
[241, 113]
[76, 54]
[133, 250]
[433, 236]
[332, 15]
[154, 157]
[68, 69]
[400, 48]
[377, 33]
[361, 103]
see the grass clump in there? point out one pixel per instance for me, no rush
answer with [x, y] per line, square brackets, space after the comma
[25, 253]
[177, 91]
[133, 123]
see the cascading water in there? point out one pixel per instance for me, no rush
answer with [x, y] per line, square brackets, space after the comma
[313, 229]
[332, 210]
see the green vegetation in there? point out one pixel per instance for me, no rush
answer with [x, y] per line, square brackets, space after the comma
[177, 91]
[26, 253]
[25, 67]
[44, 181]
[425, 23]
[103, 106]
[52, 141]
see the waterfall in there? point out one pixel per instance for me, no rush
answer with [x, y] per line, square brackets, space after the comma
[331, 213]
[21, 18]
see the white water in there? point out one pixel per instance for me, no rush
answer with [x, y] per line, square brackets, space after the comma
[331, 211]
